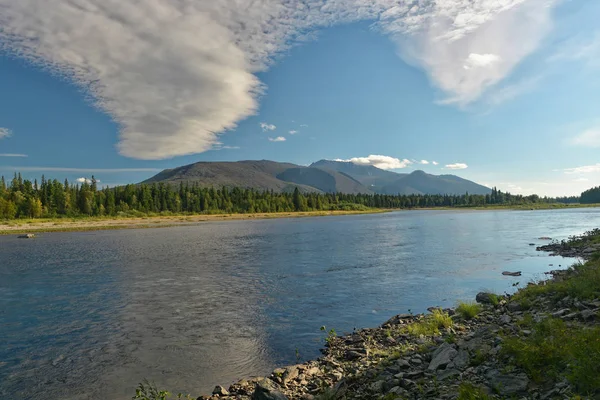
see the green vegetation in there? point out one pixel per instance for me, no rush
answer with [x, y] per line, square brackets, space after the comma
[148, 391]
[21, 198]
[468, 310]
[330, 335]
[555, 349]
[591, 196]
[468, 391]
[430, 325]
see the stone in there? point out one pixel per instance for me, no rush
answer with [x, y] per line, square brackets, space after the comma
[377, 386]
[221, 391]
[289, 374]
[514, 307]
[352, 355]
[448, 373]
[588, 314]
[560, 313]
[505, 319]
[484, 298]
[26, 236]
[340, 389]
[507, 384]
[461, 360]
[266, 389]
[442, 356]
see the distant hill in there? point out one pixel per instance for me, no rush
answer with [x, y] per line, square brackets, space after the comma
[322, 177]
[261, 175]
[417, 182]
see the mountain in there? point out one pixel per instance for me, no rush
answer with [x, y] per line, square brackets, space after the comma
[261, 175]
[417, 182]
[322, 177]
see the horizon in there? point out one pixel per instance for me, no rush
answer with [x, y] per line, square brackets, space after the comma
[482, 91]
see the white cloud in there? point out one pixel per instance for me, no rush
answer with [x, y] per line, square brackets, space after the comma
[86, 180]
[581, 180]
[293, 132]
[12, 155]
[586, 169]
[506, 93]
[5, 132]
[277, 139]
[480, 60]
[587, 138]
[303, 126]
[267, 127]
[457, 166]
[584, 47]
[435, 163]
[424, 162]
[381, 162]
[175, 74]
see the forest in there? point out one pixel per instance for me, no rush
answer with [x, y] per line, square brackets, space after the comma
[22, 198]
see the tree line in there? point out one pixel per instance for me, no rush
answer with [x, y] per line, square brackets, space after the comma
[591, 196]
[22, 198]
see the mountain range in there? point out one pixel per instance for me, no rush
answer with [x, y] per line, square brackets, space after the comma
[324, 176]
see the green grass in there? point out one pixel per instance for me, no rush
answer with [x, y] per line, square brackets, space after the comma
[430, 325]
[468, 310]
[555, 349]
[468, 391]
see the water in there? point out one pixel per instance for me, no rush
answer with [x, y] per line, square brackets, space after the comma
[89, 315]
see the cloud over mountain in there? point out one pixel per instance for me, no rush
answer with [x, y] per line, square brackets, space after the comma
[175, 74]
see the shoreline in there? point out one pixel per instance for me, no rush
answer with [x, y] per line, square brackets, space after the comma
[95, 224]
[534, 344]
[48, 225]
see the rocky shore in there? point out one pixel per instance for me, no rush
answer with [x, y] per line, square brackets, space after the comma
[499, 347]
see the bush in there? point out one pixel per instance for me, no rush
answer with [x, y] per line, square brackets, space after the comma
[431, 324]
[468, 310]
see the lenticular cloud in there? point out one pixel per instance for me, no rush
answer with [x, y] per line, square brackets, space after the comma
[175, 74]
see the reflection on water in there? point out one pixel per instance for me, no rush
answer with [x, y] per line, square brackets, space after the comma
[88, 315]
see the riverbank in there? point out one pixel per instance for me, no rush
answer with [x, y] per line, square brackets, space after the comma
[540, 343]
[93, 224]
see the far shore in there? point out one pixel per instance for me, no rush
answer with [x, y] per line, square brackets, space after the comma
[21, 226]
[108, 223]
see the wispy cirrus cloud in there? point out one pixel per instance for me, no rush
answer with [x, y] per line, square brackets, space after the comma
[435, 163]
[379, 161]
[5, 132]
[175, 74]
[456, 166]
[293, 132]
[587, 138]
[78, 170]
[12, 155]
[277, 139]
[585, 169]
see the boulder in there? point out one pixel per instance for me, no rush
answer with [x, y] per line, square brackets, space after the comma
[442, 356]
[507, 384]
[266, 389]
[484, 298]
[508, 273]
[221, 391]
[26, 236]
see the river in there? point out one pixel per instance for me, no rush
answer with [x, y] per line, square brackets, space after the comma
[88, 315]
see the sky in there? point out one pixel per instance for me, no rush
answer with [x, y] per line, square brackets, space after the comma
[502, 92]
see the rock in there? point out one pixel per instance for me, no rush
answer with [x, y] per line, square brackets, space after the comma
[589, 314]
[507, 384]
[221, 391]
[560, 313]
[514, 307]
[508, 273]
[377, 387]
[26, 236]
[289, 374]
[442, 356]
[448, 373]
[484, 298]
[461, 360]
[266, 389]
[352, 355]
[505, 319]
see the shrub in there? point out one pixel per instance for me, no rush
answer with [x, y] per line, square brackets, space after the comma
[431, 324]
[468, 310]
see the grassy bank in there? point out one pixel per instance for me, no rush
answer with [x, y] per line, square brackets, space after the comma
[39, 225]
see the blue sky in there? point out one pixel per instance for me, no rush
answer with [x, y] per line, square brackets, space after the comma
[505, 93]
